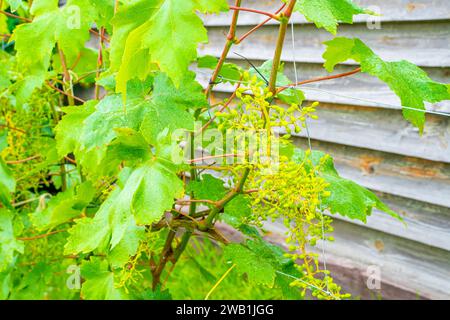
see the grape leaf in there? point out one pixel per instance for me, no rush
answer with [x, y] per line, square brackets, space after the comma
[69, 128]
[88, 133]
[168, 108]
[208, 188]
[347, 198]
[99, 281]
[7, 183]
[14, 4]
[63, 207]
[237, 210]
[409, 82]
[127, 246]
[328, 13]
[128, 18]
[148, 192]
[3, 24]
[173, 46]
[229, 72]
[73, 22]
[9, 245]
[258, 259]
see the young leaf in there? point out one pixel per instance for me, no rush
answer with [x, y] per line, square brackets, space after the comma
[347, 198]
[258, 259]
[63, 207]
[148, 192]
[9, 245]
[67, 26]
[409, 82]
[171, 36]
[237, 210]
[328, 13]
[128, 18]
[209, 188]
[7, 183]
[168, 107]
[99, 281]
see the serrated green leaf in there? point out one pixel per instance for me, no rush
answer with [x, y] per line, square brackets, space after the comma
[328, 13]
[99, 281]
[171, 46]
[411, 84]
[7, 183]
[237, 210]
[127, 246]
[148, 192]
[67, 26]
[208, 188]
[63, 207]
[257, 259]
[14, 4]
[168, 107]
[9, 245]
[69, 128]
[128, 18]
[229, 72]
[347, 198]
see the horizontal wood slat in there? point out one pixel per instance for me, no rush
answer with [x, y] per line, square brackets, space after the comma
[390, 10]
[393, 41]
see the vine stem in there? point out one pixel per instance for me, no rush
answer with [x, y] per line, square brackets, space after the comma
[66, 77]
[271, 15]
[284, 21]
[41, 236]
[99, 62]
[222, 203]
[64, 93]
[24, 160]
[341, 75]
[231, 38]
[245, 36]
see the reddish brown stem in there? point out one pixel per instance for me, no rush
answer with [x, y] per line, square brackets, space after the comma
[41, 236]
[11, 15]
[65, 93]
[99, 63]
[221, 109]
[215, 157]
[24, 160]
[231, 37]
[271, 15]
[337, 76]
[242, 38]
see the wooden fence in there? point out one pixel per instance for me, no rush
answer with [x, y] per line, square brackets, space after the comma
[361, 126]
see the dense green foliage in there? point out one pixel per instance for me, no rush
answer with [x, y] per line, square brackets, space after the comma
[115, 189]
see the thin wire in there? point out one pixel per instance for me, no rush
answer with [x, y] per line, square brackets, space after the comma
[378, 104]
[294, 58]
[372, 102]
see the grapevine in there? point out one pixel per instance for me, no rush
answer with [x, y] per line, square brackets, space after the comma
[133, 183]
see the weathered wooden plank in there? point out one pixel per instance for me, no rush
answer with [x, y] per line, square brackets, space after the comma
[382, 130]
[423, 43]
[359, 89]
[400, 180]
[390, 10]
[404, 264]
